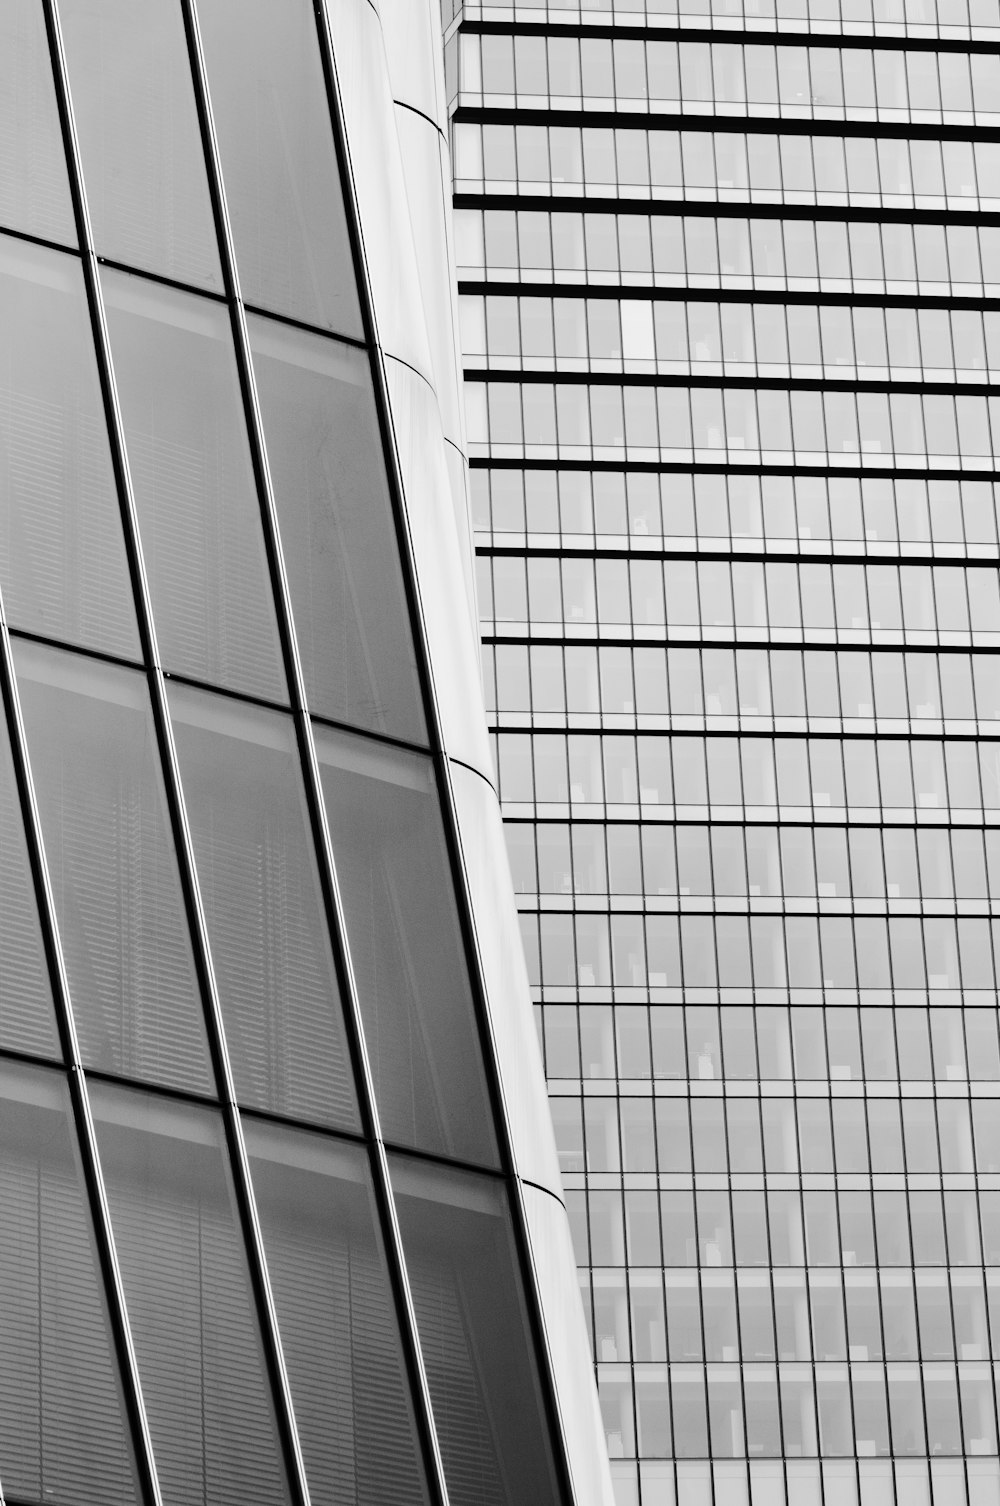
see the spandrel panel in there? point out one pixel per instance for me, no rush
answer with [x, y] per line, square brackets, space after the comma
[189, 1301]
[143, 169]
[34, 189]
[263, 907]
[480, 1360]
[199, 518]
[27, 1022]
[406, 947]
[279, 165]
[62, 556]
[337, 1318]
[63, 1430]
[92, 751]
[340, 545]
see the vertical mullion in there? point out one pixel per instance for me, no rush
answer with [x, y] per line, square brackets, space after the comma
[501, 1124]
[86, 1138]
[179, 827]
[97, 1193]
[364, 1082]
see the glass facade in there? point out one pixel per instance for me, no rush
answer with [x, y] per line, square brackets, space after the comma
[263, 1235]
[727, 284]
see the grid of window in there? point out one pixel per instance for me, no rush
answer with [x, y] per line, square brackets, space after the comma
[700, 251]
[728, 167]
[737, 579]
[816, 342]
[933, 19]
[259, 1233]
[707, 511]
[817, 83]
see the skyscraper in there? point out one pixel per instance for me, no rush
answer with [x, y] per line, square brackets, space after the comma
[280, 1212]
[728, 272]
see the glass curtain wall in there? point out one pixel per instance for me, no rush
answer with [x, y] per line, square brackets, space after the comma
[258, 1240]
[728, 275]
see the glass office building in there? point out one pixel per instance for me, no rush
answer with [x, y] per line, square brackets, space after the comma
[280, 1210]
[728, 274]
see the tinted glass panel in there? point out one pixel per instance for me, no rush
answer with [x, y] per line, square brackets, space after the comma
[337, 1319]
[278, 162]
[194, 488]
[263, 906]
[189, 1301]
[92, 750]
[388, 844]
[63, 1435]
[339, 540]
[34, 192]
[138, 129]
[473, 1332]
[26, 1019]
[62, 557]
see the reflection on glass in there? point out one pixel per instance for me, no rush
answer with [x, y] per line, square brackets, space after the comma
[263, 906]
[62, 557]
[26, 1019]
[279, 166]
[402, 929]
[340, 545]
[485, 1391]
[63, 1434]
[34, 191]
[134, 108]
[337, 1319]
[92, 751]
[194, 486]
[189, 1301]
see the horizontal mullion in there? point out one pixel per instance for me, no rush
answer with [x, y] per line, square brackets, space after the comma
[753, 383]
[743, 124]
[651, 293]
[787, 555]
[722, 209]
[841, 41]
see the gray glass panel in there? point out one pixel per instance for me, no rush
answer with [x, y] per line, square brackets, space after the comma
[63, 1434]
[282, 184]
[416, 1001]
[341, 551]
[474, 1336]
[337, 1319]
[263, 906]
[189, 1301]
[62, 556]
[138, 129]
[194, 487]
[92, 750]
[26, 1019]
[34, 191]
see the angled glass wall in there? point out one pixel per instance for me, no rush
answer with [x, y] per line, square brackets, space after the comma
[728, 272]
[262, 1230]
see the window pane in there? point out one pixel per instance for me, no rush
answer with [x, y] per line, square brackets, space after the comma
[340, 544]
[63, 1434]
[139, 140]
[485, 1392]
[62, 556]
[26, 1018]
[263, 907]
[337, 1318]
[194, 486]
[388, 844]
[189, 1301]
[107, 840]
[34, 191]
[278, 161]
